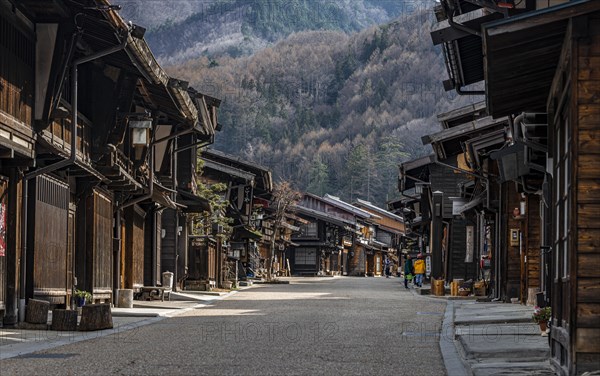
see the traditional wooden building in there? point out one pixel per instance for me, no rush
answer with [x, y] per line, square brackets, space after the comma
[207, 261]
[17, 146]
[407, 206]
[550, 152]
[100, 106]
[248, 187]
[471, 224]
[567, 91]
[264, 218]
[319, 239]
[414, 204]
[366, 247]
[389, 230]
[338, 239]
[435, 183]
[177, 167]
[490, 223]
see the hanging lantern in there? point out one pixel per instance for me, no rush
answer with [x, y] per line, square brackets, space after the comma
[140, 132]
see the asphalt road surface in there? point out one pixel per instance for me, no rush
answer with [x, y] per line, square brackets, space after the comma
[313, 326]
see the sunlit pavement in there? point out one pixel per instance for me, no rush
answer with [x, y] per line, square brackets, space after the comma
[345, 326]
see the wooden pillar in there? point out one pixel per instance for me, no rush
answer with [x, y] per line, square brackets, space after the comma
[12, 247]
[436, 236]
[219, 262]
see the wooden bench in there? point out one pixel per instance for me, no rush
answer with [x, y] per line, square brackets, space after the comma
[147, 292]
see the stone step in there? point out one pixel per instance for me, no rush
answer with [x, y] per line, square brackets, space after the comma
[507, 367]
[518, 347]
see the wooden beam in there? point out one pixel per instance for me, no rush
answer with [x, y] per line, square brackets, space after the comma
[7, 153]
[463, 129]
[588, 290]
[15, 125]
[462, 111]
[126, 87]
[17, 162]
[541, 17]
[443, 32]
[416, 163]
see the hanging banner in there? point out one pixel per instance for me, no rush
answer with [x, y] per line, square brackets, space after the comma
[469, 244]
[3, 209]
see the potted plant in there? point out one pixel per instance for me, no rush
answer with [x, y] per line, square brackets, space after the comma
[541, 317]
[81, 297]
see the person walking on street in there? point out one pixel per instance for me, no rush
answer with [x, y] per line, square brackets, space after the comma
[388, 265]
[419, 270]
[408, 270]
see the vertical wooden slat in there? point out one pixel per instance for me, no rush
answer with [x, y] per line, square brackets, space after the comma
[585, 301]
[211, 262]
[158, 236]
[138, 252]
[70, 249]
[124, 242]
[50, 239]
[102, 243]
[17, 72]
[134, 248]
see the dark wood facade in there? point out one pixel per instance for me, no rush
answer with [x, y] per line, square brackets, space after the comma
[585, 61]
[99, 251]
[71, 92]
[248, 243]
[548, 165]
[202, 258]
[3, 238]
[133, 266]
[568, 93]
[389, 230]
[17, 68]
[152, 252]
[17, 139]
[49, 199]
[336, 239]
[574, 110]
[313, 246]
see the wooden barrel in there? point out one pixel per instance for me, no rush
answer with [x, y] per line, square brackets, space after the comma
[454, 288]
[437, 287]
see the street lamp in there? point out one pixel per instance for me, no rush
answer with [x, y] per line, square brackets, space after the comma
[140, 132]
[419, 187]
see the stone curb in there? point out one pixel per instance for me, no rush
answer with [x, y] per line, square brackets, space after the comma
[449, 346]
[474, 321]
[136, 314]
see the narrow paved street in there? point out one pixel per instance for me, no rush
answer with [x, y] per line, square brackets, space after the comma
[345, 326]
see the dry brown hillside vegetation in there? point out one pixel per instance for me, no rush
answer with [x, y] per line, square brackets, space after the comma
[330, 111]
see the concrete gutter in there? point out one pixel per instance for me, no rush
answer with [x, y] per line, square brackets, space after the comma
[453, 361]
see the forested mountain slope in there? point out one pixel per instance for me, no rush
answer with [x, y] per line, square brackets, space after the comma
[182, 29]
[308, 87]
[331, 111]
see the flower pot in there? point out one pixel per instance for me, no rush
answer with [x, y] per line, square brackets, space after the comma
[543, 326]
[80, 301]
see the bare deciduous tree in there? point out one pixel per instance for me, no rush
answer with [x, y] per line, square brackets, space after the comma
[284, 199]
